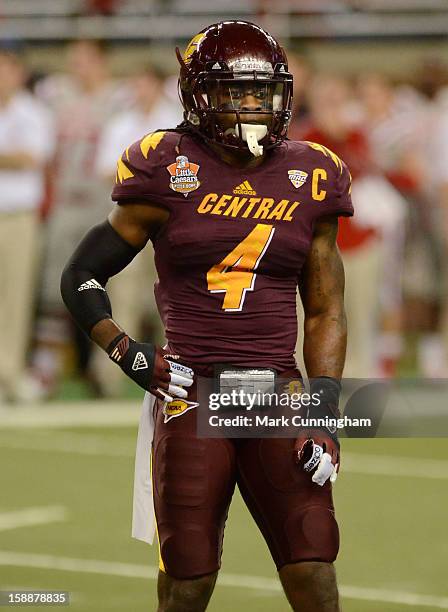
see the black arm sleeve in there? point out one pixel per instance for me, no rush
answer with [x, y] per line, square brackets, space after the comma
[102, 253]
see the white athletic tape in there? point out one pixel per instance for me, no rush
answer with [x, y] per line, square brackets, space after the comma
[324, 470]
[334, 476]
[179, 368]
[177, 379]
[315, 458]
[177, 391]
[166, 397]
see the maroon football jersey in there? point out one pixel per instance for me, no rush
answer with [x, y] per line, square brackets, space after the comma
[229, 258]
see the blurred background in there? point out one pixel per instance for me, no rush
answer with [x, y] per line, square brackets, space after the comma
[79, 81]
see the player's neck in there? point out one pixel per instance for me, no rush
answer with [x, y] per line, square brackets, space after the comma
[238, 159]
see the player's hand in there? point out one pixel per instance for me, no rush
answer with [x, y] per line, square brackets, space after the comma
[317, 449]
[170, 377]
[146, 365]
[318, 453]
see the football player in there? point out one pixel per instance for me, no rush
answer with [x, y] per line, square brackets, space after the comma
[239, 216]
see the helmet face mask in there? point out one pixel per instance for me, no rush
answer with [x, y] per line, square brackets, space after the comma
[222, 91]
[232, 95]
[232, 102]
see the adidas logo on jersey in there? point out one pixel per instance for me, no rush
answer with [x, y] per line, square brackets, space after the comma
[245, 189]
[91, 284]
[140, 362]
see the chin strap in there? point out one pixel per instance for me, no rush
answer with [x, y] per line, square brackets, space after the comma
[252, 133]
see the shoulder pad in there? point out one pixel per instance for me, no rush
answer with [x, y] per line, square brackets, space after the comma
[327, 153]
[142, 155]
[138, 166]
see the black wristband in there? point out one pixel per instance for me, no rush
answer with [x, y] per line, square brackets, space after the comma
[119, 353]
[325, 392]
[327, 388]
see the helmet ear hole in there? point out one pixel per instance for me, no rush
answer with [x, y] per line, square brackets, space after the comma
[192, 118]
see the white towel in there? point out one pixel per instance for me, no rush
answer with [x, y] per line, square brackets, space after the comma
[143, 514]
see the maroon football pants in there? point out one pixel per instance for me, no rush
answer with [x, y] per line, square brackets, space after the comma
[194, 479]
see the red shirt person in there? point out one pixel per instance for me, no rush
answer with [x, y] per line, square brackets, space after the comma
[330, 124]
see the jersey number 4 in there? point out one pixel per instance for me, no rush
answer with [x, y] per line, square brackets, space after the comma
[235, 274]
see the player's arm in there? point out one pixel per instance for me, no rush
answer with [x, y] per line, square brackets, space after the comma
[135, 224]
[106, 250]
[322, 292]
[325, 339]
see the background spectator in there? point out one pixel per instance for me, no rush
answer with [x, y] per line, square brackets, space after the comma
[81, 101]
[398, 122]
[388, 122]
[26, 141]
[332, 123]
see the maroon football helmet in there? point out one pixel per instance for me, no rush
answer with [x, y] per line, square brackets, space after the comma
[234, 83]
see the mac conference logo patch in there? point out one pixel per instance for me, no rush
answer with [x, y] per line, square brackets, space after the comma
[297, 177]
